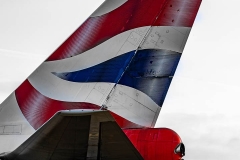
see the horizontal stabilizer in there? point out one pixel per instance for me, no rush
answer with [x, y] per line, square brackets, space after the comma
[77, 134]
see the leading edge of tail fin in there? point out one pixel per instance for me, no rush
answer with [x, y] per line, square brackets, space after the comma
[122, 58]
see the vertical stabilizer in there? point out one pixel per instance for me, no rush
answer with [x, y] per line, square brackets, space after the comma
[121, 59]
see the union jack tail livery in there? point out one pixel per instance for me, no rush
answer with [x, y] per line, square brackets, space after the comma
[113, 72]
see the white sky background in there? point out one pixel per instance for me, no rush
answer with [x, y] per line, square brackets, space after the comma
[203, 102]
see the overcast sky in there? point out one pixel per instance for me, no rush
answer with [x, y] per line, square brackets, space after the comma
[203, 102]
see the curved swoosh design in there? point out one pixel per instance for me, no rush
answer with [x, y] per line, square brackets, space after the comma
[161, 37]
[108, 71]
[96, 30]
[122, 58]
[103, 41]
[115, 46]
[97, 93]
[150, 71]
[132, 14]
[38, 108]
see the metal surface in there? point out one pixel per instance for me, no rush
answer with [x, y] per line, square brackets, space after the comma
[156, 143]
[115, 144]
[108, 6]
[77, 134]
[121, 59]
[63, 137]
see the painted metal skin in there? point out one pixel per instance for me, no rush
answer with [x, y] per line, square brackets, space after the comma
[156, 143]
[77, 135]
[121, 59]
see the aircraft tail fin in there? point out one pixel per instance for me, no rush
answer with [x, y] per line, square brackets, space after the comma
[121, 59]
